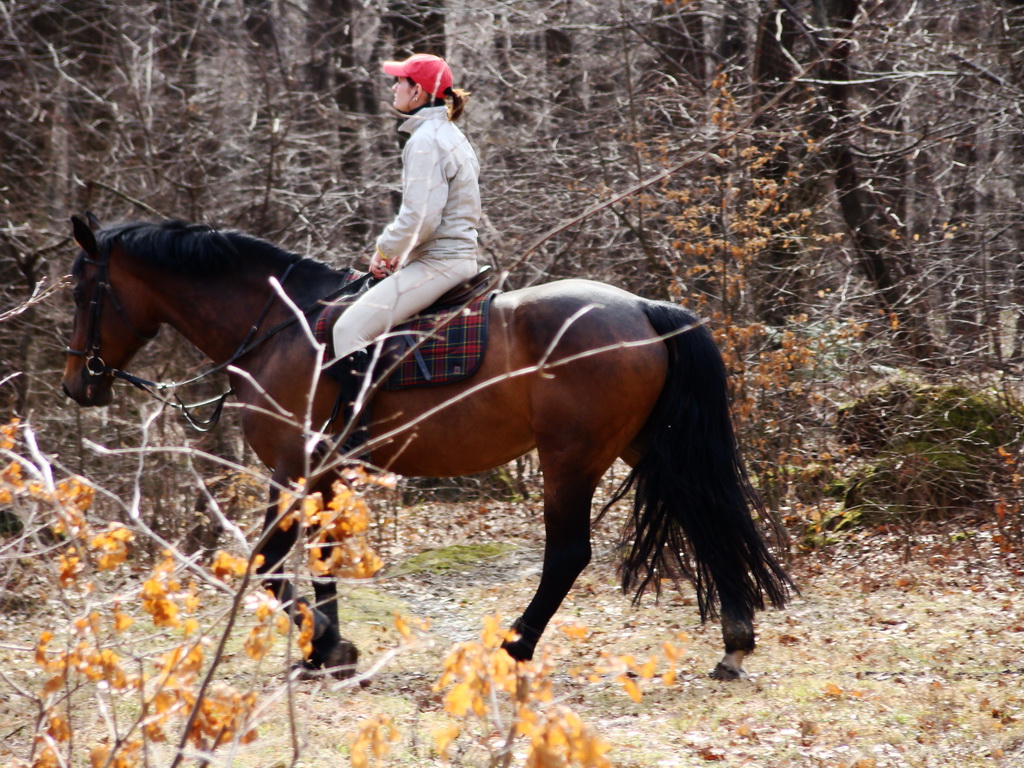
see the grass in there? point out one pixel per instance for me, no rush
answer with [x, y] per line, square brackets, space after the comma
[452, 557]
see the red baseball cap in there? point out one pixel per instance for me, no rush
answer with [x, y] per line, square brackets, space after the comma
[426, 70]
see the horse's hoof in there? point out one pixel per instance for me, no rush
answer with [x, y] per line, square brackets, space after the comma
[338, 661]
[302, 671]
[518, 650]
[723, 672]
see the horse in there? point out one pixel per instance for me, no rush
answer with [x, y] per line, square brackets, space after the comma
[582, 372]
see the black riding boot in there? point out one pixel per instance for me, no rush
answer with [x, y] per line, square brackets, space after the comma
[349, 372]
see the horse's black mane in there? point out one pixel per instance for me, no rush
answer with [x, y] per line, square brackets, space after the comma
[199, 250]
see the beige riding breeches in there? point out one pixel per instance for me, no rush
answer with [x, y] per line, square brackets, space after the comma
[396, 298]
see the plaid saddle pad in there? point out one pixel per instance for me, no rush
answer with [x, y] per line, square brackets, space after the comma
[438, 346]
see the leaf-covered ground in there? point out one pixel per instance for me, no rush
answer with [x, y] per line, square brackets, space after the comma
[900, 651]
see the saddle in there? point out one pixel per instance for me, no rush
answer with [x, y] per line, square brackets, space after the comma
[441, 345]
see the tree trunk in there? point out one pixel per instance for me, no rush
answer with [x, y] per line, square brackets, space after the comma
[679, 33]
[259, 23]
[890, 275]
[332, 74]
[732, 42]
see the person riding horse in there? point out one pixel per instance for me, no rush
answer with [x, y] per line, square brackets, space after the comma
[662, 405]
[430, 247]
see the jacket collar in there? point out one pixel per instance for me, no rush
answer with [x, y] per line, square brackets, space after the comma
[420, 116]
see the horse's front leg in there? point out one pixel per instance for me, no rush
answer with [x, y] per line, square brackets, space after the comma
[566, 554]
[331, 652]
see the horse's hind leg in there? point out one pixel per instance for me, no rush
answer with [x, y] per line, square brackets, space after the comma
[738, 634]
[737, 620]
[567, 498]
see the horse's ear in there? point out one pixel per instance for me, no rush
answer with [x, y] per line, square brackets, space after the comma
[84, 237]
[93, 222]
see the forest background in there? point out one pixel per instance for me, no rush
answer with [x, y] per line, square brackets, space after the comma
[832, 183]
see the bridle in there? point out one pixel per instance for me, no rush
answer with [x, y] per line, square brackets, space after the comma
[95, 367]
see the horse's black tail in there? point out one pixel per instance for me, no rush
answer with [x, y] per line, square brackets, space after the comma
[693, 507]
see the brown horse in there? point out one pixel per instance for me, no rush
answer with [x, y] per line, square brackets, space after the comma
[580, 371]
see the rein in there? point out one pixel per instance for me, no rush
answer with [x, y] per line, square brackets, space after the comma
[95, 367]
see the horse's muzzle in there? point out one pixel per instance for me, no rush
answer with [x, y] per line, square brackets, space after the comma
[89, 391]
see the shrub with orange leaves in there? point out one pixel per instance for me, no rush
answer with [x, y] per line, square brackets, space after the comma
[338, 545]
[8, 433]
[740, 236]
[69, 499]
[560, 738]
[167, 689]
[111, 545]
[476, 670]
[266, 609]
[126, 756]
[372, 741]
[158, 591]
[480, 676]
[11, 474]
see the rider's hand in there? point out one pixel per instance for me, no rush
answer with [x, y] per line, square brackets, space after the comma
[380, 266]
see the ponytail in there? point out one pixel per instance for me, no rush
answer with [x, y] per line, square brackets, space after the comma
[457, 103]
